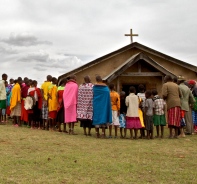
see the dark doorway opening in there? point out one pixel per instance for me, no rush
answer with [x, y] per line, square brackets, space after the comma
[126, 87]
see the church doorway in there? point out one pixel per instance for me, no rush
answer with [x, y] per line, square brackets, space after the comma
[125, 88]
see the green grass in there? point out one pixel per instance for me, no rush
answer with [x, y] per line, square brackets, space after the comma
[38, 156]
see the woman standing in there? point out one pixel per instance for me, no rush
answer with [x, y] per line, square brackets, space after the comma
[172, 94]
[70, 103]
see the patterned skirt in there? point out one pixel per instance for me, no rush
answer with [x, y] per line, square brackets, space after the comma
[45, 111]
[122, 120]
[16, 111]
[133, 123]
[174, 117]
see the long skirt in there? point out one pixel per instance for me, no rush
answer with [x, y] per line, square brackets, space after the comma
[86, 123]
[52, 114]
[34, 114]
[174, 117]
[133, 123]
[16, 111]
[37, 113]
[60, 115]
[24, 112]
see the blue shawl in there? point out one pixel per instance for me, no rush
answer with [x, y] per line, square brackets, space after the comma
[102, 112]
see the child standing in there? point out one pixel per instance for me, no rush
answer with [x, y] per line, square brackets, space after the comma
[159, 115]
[115, 105]
[142, 98]
[122, 117]
[132, 116]
[149, 114]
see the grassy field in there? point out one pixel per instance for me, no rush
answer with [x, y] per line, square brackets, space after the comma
[38, 156]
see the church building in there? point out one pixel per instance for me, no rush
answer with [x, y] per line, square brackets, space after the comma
[132, 65]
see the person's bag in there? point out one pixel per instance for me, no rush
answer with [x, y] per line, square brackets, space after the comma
[30, 102]
[183, 122]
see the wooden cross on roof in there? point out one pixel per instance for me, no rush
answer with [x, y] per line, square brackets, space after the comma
[131, 35]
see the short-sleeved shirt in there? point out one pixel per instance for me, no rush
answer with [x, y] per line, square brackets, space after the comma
[158, 105]
[149, 106]
[45, 88]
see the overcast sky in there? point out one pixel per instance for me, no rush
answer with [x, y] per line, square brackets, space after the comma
[41, 37]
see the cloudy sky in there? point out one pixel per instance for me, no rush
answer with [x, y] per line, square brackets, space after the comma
[41, 37]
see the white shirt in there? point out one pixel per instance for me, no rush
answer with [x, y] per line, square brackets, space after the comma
[132, 103]
[2, 90]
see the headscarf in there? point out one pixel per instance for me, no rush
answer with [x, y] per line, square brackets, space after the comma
[192, 82]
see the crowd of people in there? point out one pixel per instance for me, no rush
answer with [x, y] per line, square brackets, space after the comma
[58, 108]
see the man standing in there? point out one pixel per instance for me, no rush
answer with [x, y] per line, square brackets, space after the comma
[171, 94]
[15, 102]
[44, 91]
[186, 99]
[70, 103]
[84, 105]
[2, 94]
